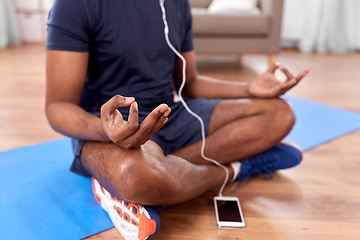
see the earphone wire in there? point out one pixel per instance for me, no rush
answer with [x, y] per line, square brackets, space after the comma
[166, 31]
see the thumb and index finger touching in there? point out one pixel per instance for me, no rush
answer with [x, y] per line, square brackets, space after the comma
[289, 76]
[110, 109]
[115, 102]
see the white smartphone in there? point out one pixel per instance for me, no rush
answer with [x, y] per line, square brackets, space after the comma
[228, 212]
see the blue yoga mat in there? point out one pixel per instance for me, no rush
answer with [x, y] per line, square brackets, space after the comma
[41, 199]
[318, 123]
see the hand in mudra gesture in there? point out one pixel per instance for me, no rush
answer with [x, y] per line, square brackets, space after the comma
[130, 134]
[266, 85]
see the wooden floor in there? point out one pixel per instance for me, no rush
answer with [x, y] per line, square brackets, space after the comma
[320, 199]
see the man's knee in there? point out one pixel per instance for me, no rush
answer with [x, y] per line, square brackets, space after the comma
[143, 180]
[289, 114]
[284, 113]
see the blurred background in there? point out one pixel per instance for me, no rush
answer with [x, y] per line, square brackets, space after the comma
[310, 25]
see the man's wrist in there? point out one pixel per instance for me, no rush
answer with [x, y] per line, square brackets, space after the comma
[102, 136]
[245, 91]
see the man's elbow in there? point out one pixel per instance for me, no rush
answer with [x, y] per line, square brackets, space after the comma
[53, 115]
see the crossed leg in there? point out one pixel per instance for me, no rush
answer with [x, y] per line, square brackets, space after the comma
[243, 128]
[237, 129]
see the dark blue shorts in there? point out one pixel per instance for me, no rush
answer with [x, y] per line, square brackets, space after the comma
[181, 130]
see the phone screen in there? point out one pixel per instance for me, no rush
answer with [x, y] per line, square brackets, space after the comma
[228, 211]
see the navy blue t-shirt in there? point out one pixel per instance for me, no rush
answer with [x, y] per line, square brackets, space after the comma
[128, 54]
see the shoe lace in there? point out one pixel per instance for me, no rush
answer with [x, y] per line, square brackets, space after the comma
[262, 166]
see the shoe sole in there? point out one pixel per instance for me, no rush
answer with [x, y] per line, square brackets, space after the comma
[133, 221]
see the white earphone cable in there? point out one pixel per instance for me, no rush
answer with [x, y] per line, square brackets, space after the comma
[166, 31]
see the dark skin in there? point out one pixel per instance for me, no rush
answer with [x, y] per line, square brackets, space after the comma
[249, 120]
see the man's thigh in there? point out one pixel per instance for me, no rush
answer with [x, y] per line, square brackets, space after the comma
[228, 111]
[242, 128]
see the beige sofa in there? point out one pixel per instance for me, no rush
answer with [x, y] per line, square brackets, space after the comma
[238, 33]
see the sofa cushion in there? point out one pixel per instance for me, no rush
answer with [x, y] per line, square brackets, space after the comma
[200, 3]
[205, 23]
[235, 6]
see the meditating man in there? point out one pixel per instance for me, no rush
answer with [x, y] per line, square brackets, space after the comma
[111, 79]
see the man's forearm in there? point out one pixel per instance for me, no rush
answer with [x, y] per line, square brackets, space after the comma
[72, 121]
[206, 87]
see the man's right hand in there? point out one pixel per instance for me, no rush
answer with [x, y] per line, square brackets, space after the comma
[129, 134]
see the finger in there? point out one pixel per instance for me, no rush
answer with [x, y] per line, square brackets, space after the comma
[152, 123]
[110, 123]
[161, 124]
[301, 75]
[116, 102]
[112, 120]
[130, 127]
[288, 85]
[133, 113]
[133, 120]
[286, 72]
[292, 82]
[161, 121]
[154, 120]
[274, 67]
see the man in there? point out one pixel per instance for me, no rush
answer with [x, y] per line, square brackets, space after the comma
[109, 69]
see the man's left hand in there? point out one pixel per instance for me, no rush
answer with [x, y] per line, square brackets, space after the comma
[267, 85]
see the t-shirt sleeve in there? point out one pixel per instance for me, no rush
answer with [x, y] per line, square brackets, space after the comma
[69, 26]
[187, 44]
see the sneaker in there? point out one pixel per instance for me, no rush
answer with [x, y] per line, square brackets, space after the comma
[133, 221]
[281, 156]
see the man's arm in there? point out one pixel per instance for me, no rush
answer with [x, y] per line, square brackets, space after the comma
[65, 79]
[264, 86]
[65, 74]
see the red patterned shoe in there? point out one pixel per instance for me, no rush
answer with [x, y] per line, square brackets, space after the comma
[133, 221]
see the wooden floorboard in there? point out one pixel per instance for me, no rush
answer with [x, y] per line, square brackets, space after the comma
[319, 199]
